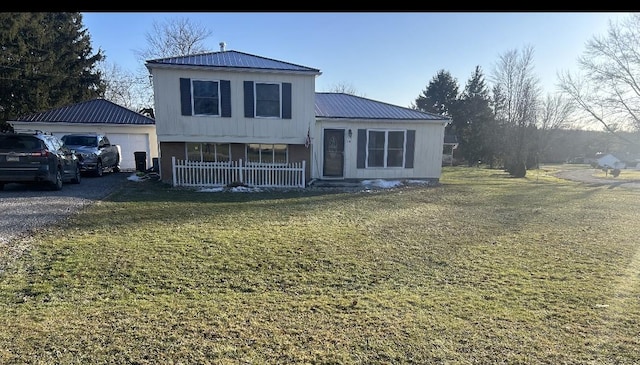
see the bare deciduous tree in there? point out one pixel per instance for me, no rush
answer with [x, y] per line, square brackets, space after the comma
[174, 37]
[345, 88]
[606, 88]
[556, 113]
[170, 38]
[519, 89]
[122, 87]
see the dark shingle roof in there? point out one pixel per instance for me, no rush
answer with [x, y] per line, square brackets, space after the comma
[339, 105]
[92, 111]
[232, 59]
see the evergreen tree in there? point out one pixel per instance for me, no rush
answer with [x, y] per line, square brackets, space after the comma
[474, 120]
[440, 95]
[47, 62]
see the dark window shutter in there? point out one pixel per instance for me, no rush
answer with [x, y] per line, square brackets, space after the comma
[411, 147]
[185, 96]
[286, 100]
[248, 99]
[225, 98]
[362, 148]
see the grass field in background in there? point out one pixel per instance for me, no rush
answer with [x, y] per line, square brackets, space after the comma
[481, 269]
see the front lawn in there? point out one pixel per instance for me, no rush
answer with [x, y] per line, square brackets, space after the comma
[482, 269]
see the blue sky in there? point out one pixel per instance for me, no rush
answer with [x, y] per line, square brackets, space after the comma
[389, 57]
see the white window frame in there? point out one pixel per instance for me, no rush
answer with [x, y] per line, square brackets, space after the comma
[255, 100]
[193, 98]
[386, 148]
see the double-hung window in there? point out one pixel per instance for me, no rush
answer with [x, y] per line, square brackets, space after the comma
[385, 148]
[267, 153]
[206, 97]
[268, 98]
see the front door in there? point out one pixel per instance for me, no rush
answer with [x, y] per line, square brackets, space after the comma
[333, 165]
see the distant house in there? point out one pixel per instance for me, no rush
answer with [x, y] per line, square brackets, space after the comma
[610, 161]
[450, 144]
[230, 115]
[132, 131]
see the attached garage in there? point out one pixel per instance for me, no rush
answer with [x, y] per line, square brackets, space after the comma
[129, 144]
[132, 131]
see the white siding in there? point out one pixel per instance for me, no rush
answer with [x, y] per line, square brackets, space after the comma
[427, 160]
[172, 126]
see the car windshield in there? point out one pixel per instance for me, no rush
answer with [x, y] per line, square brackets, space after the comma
[81, 141]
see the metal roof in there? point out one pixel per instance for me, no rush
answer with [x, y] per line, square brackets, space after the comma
[92, 111]
[232, 59]
[340, 105]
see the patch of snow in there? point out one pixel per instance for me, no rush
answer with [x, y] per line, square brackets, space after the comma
[134, 177]
[211, 190]
[384, 184]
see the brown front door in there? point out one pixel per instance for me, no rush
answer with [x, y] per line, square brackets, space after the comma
[333, 165]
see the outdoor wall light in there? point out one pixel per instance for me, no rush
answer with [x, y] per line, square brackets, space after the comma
[349, 134]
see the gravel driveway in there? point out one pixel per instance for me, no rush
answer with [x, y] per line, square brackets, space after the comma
[23, 208]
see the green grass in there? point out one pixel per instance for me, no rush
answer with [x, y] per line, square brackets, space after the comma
[482, 269]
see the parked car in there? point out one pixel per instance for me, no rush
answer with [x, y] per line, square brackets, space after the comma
[95, 151]
[37, 158]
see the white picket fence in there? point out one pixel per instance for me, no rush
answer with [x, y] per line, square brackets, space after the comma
[216, 174]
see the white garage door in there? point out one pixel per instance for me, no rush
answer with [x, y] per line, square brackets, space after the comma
[130, 143]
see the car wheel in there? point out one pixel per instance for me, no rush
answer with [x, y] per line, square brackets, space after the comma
[57, 184]
[99, 168]
[116, 168]
[76, 178]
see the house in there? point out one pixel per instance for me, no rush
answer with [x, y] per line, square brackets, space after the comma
[610, 161]
[132, 131]
[218, 109]
[450, 144]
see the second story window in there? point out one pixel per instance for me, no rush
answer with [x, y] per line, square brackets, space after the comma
[267, 100]
[206, 97]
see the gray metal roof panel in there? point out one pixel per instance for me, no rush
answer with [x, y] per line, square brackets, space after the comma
[92, 111]
[340, 105]
[232, 59]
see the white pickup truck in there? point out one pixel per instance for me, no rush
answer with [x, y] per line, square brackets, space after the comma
[95, 152]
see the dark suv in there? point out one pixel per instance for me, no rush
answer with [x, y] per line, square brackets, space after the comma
[37, 158]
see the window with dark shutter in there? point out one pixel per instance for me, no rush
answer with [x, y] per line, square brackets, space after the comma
[385, 148]
[206, 97]
[267, 100]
